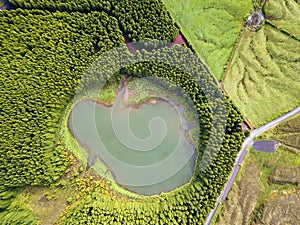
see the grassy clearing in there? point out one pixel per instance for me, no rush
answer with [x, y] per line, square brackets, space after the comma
[48, 203]
[211, 27]
[268, 162]
[282, 158]
[285, 15]
[253, 189]
[263, 78]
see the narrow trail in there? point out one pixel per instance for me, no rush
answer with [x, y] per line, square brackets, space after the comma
[127, 93]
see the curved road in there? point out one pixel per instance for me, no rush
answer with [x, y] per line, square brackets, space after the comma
[247, 142]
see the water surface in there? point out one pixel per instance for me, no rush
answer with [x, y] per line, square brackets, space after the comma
[145, 147]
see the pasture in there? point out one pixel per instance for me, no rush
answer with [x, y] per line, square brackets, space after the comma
[212, 28]
[263, 76]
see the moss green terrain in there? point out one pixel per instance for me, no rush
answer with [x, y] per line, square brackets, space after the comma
[263, 77]
[211, 27]
[43, 56]
[42, 59]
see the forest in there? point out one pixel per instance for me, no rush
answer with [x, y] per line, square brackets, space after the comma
[190, 204]
[140, 20]
[44, 55]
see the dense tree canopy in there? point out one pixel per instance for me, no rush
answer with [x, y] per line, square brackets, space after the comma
[191, 204]
[139, 20]
[44, 55]
[42, 58]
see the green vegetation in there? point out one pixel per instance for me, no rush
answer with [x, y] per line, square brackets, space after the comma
[13, 212]
[267, 188]
[43, 57]
[211, 27]
[182, 205]
[284, 15]
[283, 157]
[47, 203]
[17, 214]
[34, 93]
[262, 79]
[6, 197]
[256, 189]
[139, 20]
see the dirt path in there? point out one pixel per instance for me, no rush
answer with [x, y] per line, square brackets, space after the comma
[127, 93]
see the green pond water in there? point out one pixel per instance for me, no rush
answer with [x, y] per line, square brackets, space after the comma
[145, 148]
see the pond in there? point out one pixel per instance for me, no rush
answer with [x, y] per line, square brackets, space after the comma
[146, 148]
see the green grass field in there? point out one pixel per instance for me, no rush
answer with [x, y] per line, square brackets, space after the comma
[263, 77]
[211, 27]
[285, 15]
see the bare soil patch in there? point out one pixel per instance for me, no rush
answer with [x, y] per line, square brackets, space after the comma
[282, 210]
[238, 208]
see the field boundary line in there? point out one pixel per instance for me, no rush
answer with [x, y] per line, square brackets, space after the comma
[283, 31]
[290, 147]
[229, 62]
